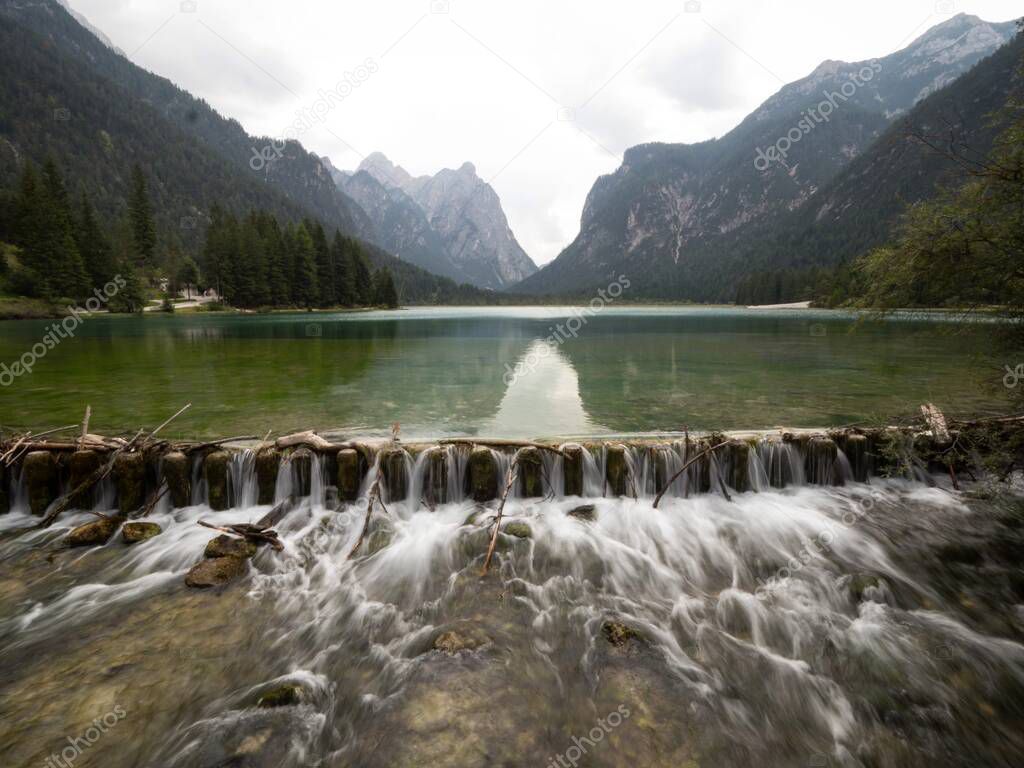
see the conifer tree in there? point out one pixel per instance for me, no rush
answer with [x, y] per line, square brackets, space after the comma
[343, 276]
[304, 287]
[93, 244]
[140, 211]
[384, 293]
[362, 281]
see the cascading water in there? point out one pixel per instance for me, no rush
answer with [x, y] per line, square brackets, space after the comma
[798, 626]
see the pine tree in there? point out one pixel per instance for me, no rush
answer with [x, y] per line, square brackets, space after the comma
[304, 288]
[93, 245]
[64, 273]
[140, 211]
[188, 275]
[345, 296]
[326, 292]
[362, 282]
[384, 293]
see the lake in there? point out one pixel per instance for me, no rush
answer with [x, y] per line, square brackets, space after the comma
[514, 372]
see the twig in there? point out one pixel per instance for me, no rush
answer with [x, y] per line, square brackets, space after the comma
[246, 531]
[183, 409]
[685, 466]
[373, 497]
[148, 508]
[509, 481]
[85, 424]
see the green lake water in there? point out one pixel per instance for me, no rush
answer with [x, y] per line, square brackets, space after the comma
[496, 371]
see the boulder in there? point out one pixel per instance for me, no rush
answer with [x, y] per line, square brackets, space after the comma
[268, 462]
[215, 470]
[463, 638]
[215, 571]
[482, 474]
[40, 473]
[130, 478]
[350, 474]
[93, 533]
[229, 546]
[133, 533]
[177, 474]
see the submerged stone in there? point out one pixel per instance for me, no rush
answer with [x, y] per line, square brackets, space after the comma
[175, 467]
[268, 462]
[350, 474]
[483, 475]
[587, 512]
[517, 529]
[215, 571]
[618, 634]
[229, 546]
[572, 469]
[133, 533]
[287, 695]
[462, 639]
[40, 473]
[130, 477]
[93, 534]
[215, 469]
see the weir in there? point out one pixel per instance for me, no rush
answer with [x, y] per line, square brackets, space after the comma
[429, 474]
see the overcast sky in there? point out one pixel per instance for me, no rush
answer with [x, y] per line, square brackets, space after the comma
[542, 97]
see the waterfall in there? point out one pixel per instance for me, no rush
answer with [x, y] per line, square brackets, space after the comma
[593, 472]
[243, 490]
[199, 489]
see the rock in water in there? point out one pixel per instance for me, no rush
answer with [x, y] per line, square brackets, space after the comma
[133, 533]
[40, 471]
[530, 471]
[215, 571]
[216, 470]
[93, 534]
[483, 475]
[82, 465]
[349, 474]
[616, 470]
[283, 696]
[618, 634]
[179, 482]
[392, 466]
[587, 512]
[130, 476]
[268, 461]
[572, 469]
[301, 462]
[519, 530]
[229, 546]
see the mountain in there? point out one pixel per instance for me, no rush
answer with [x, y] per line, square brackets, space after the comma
[665, 216]
[65, 94]
[856, 211]
[287, 169]
[451, 223]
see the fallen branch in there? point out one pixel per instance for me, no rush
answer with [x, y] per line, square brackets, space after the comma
[501, 444]
[9, 457]
[373, 497]
[247, 531]
[510, 479]
[189, 448]
[309, 438]
[657, 499]
[154, 499]
[276, 515]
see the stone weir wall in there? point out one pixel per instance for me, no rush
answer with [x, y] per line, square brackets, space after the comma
[46, 476]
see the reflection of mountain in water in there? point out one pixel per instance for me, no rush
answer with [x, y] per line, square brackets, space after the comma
[542, 399]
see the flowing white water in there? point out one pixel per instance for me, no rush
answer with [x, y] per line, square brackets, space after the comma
[787, 623]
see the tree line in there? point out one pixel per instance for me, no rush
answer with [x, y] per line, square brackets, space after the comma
[255, 261]
[63, 253]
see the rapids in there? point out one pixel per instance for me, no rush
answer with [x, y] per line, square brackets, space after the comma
[874, 624]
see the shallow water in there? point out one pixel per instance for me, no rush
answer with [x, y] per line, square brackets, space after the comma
[894, 638]
[505, 372]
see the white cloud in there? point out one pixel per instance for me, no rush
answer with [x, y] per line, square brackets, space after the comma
[485, 81]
